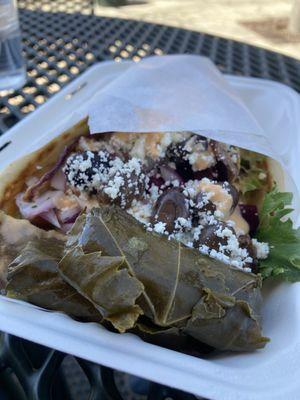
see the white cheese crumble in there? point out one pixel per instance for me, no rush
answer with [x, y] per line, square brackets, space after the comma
[262, 176]
[262, 249]
[99, 171]
[230, 252]
[141, 211]
[217, 255]
[181, 224]
[159, 227]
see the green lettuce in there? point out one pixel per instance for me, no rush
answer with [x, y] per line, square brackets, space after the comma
[283, 238]
[253, 172]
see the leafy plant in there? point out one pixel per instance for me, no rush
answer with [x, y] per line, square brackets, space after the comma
[284, 240]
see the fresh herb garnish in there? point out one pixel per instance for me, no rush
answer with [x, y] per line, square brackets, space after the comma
[253, 172]
[283, 239]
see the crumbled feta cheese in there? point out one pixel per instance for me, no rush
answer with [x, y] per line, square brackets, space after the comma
[204, 249]
[206, 218]
[154, 193]
[229, 252]
[262, 249]
[234, 157]
[182, 224]
[196, 232]
[117, 178]
[262, 176]
[159, 227]
[141, 211]
[176, 183]
[218, 214]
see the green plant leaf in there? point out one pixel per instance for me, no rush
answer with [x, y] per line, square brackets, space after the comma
[253, 172]
[33, 276]
[175, 280]
[282, 237]
[106, 283]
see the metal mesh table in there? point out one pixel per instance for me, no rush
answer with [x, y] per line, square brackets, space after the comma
[60, 45]
[62, 39]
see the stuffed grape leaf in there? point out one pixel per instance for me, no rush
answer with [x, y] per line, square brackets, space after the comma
[14, 236]
[202, 297]
[33, 276]
[111, 269]
[105, 282]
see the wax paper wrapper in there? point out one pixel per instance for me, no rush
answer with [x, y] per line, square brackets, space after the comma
[187, 93]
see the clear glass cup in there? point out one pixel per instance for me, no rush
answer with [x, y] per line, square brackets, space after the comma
[12, 65]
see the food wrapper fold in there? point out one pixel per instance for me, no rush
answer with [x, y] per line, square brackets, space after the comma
[188, 93]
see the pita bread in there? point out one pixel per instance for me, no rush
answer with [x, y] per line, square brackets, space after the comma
[13, 177]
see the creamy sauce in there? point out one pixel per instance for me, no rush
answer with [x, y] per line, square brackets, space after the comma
[138, 150]
[93, 145]
[218, 195]
[241, 226]
[223, 202]
[65, 201]
[201, 161]
[123, 140]
[152, 144]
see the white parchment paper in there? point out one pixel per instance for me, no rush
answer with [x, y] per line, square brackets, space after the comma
[176, 93]
[188, 93]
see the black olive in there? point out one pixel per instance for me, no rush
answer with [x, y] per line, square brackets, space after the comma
[234, 193]
[210, 173]
[228, 169]
[156, 180]
[178, 155]
[81, 178]
[201, 205]
[250, 214]
[209, 237]
[246, 243]
[133, 188]
[170, 206]
[203, 140]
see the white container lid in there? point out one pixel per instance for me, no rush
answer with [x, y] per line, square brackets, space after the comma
[271, 373]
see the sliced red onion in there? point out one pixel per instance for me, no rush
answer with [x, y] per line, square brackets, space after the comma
[170, 174]
[51, 217]
[250, 214]
[69, 215]
[59, 180]
[31, 181]
[66, 227]
[42, 204]
[32, 190]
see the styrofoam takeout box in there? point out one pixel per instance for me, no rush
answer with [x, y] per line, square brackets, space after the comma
[272, 373]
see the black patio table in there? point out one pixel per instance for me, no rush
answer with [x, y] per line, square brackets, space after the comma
[62, 39]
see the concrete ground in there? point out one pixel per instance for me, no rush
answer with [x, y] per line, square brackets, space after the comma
[258, 22]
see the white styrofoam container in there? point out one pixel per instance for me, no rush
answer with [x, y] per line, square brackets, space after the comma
[272, 373]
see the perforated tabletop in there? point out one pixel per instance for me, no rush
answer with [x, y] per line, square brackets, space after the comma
[62, 39]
